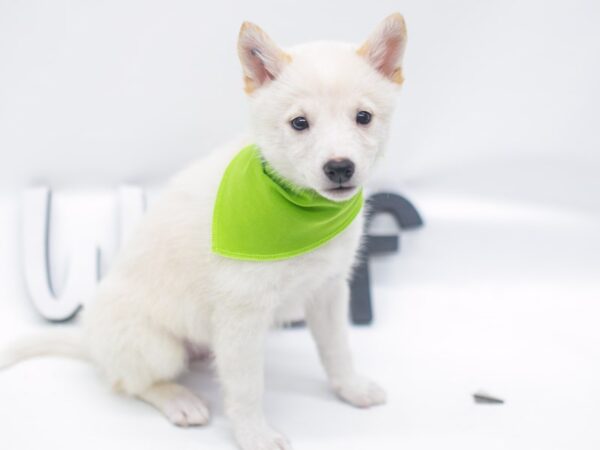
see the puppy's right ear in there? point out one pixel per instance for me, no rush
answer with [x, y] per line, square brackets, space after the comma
[262, 61]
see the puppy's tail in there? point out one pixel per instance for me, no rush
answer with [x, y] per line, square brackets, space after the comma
[56, 342]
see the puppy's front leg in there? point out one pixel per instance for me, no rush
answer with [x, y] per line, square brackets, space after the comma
[238, 344]
[327, 317]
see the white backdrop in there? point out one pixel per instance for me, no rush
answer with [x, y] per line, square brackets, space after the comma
[496, 139]
[503, 94]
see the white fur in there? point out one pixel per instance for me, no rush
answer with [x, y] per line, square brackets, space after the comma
[167, 289]
[328, 83]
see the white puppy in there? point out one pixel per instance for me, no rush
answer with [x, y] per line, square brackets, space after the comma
[167, 288]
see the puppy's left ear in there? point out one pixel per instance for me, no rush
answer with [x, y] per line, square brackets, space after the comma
[384, 49]
[262, 61]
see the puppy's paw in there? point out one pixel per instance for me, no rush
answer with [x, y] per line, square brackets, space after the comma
[186, 411]
[360, 392]
[262, 438]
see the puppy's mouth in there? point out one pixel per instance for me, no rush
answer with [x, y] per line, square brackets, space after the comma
[340, 193]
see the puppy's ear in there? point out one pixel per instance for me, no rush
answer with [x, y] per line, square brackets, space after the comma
[384, 49]
[262, 61]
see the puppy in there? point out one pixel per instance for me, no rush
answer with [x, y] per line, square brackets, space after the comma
[320, 114]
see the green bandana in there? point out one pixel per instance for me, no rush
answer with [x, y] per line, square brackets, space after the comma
[259, 217]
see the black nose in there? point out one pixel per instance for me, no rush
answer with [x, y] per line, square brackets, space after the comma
[339, 170]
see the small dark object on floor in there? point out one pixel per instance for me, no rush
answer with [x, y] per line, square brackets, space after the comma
[487, 399]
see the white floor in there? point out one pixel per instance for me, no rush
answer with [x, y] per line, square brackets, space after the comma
[504, 298]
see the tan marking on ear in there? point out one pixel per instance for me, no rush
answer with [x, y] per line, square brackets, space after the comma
[399, 18]
[397, 76]
[249, 86]
[249, 25]
[363, 50]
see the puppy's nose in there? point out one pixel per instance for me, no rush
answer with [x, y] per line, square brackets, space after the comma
[339, 170]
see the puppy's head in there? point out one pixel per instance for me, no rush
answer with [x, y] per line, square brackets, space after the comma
[321, 111]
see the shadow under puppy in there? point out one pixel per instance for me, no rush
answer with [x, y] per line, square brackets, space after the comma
[260, 228]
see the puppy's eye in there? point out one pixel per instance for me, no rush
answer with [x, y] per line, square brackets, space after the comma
[363, 117]
[299, 123]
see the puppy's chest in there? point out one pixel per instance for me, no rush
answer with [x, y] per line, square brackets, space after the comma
[298, 278]
[305, 281]
[310, 271]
